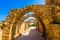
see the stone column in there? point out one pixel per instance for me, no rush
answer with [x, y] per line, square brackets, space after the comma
[37, 25]
[18, 29]
[22, 28]
[40, 27]
[0, 34]
[16, 33]
[18, 26]
[27, 23]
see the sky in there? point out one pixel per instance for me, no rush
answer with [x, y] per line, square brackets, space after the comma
[29, 18]
[27, 14]
[7, 5]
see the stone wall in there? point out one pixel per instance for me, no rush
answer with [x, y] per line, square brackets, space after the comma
[53, 2]
[53, 32]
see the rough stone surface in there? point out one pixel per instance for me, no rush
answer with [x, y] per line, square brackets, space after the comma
[47, 15]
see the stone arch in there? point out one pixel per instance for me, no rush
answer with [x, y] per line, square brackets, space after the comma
[37, 18]
[31, 15]
[34, 15]
[15, 15]
[22, 19]
[33, 8]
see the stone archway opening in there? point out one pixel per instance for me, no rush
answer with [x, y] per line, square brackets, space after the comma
[13, 21]
[29, 22]
[28, 18]
[36, 14]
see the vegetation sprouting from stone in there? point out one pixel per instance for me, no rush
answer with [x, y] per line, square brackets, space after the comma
[32, 25]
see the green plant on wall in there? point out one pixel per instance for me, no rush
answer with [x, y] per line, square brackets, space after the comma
[32, 25]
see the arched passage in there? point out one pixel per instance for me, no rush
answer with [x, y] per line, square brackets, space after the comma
[36, 23]
[33, 15]
[38, 12]
[14, 17]
[39, 24]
